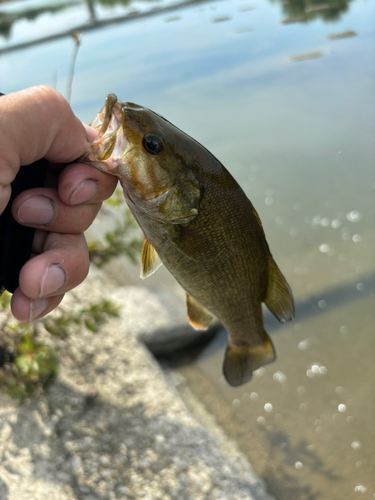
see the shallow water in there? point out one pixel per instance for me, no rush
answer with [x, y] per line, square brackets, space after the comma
[289, 110]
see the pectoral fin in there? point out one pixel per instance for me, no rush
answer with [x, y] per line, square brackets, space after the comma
[241, 361]
[150, 261]
[279, 298]
[198, 316]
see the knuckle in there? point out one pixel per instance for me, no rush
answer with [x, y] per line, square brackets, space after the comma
[46, 92]
[51, 100]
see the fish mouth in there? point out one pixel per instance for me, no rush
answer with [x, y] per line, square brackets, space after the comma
[108, 150]
[121, 127]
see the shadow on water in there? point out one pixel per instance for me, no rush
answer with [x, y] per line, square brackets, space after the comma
[180, 353]
[291, 489]
[183, 339]
[279, 479]
[337, 297]
[279, 440]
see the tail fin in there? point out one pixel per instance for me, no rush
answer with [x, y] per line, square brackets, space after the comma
[241, 361]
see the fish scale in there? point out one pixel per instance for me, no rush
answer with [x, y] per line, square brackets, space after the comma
[198, 221]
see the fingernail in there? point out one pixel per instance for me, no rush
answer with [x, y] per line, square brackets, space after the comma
[37, 307]
[84, 192]
[36, 210]
[53, 279]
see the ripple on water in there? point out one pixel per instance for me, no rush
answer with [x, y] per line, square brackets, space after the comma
[316, 369]
[258, 373]
[279, 377]
[304, 345]
[360, 488]
[354, 216]
[254, 396]
[324, 248]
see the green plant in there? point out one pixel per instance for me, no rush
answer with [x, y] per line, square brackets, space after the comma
[123, 240]
[91, 317]
[24, 362]
[28, 354]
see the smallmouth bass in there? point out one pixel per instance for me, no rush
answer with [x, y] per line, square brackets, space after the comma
[197, 220]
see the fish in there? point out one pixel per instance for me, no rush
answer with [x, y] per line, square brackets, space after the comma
[199, 223]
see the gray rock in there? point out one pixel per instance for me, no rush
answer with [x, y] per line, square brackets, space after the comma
[112, 426]
[171, 331]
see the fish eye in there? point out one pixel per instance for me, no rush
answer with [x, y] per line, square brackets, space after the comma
[153, 144]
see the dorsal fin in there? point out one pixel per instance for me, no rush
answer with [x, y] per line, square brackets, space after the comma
[256, 215]
[279, 298]
[198, 316]
[150, 261]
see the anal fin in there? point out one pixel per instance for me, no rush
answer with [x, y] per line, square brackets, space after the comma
[279, 298]
[240, 361]
[150, 261]
[198, 316]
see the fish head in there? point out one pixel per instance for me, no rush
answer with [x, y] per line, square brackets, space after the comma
[146, 152]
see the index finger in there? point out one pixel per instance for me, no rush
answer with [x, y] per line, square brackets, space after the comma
[36, 123]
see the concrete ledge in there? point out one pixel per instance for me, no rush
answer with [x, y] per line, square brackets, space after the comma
[112, 427]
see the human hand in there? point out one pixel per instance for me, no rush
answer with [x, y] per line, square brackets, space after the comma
[38, 123]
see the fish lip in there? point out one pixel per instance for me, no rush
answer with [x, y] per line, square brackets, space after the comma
[110, 146]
